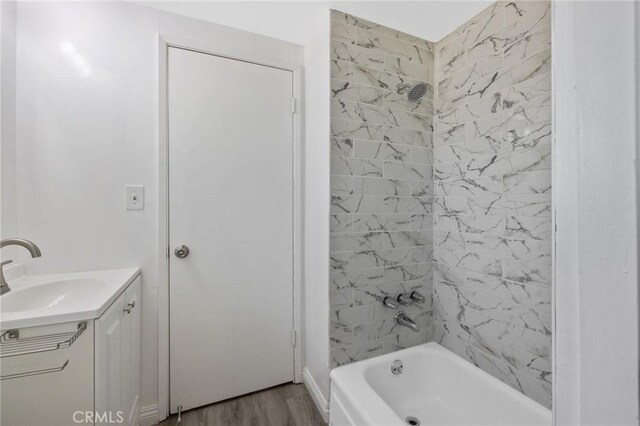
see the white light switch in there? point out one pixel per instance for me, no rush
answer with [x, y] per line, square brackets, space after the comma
[135, 197]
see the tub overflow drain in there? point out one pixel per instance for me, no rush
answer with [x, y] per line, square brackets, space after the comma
[412, 421]
[396, 367]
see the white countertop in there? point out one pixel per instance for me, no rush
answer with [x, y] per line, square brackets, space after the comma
[36, 300]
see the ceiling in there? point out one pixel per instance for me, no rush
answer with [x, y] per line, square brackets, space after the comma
[431, 20]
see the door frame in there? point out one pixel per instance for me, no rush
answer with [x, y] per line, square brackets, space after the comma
[260, 50]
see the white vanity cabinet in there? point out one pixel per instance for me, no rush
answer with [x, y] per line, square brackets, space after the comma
[91, 377]
[117, 378]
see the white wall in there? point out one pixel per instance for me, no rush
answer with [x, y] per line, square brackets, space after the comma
[8, 211]
[316, 203]
[87, 125]
[596, 80]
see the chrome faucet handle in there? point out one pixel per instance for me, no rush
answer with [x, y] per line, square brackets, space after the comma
[404, 299]
[389, 302]
[417, 297]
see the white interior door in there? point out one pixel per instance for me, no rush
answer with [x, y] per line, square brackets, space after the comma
[231, 204]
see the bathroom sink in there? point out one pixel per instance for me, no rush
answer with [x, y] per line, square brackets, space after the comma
[47, 299]
[48, 295]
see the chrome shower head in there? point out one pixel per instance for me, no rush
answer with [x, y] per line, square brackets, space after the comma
[417, 92]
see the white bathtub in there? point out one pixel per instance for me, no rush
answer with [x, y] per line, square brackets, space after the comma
[436, 387]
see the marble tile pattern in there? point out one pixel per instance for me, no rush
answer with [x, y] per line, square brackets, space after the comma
[381, 209]
[492, 185]
[450, 196]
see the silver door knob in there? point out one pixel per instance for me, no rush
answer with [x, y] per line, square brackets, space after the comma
[181, 251]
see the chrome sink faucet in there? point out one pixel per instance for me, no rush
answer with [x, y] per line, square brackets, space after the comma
[33, 250]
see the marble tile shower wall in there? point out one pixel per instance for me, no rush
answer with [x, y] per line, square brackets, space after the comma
[381, 187]
[492, 211]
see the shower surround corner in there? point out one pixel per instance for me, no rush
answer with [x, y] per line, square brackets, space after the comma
[450, 196]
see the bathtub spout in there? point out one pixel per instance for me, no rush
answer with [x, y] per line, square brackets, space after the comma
[404, 320]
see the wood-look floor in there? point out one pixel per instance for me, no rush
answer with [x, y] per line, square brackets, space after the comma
[284, 405]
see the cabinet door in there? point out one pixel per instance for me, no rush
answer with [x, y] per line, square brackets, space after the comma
[132, 352]
[57, 398]
[118, 360]
[110, 365]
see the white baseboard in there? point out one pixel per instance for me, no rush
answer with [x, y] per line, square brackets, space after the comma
[149, 415]
[316, 395]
